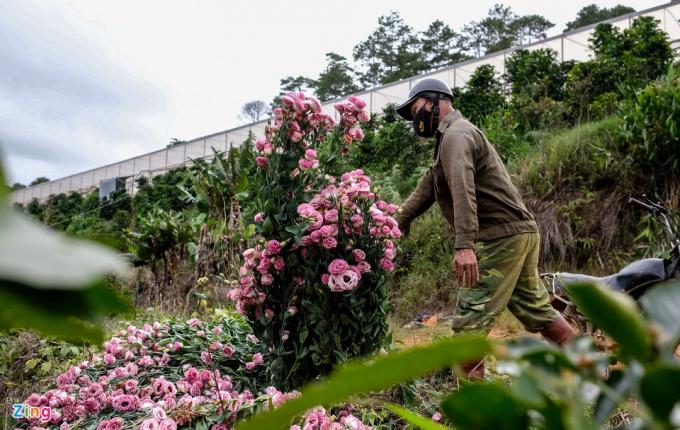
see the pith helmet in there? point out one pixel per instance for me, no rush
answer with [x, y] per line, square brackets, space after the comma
[429, 87]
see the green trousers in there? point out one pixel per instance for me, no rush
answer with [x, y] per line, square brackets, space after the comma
[508, 277]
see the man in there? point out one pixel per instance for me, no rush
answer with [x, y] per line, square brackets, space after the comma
[496, 237]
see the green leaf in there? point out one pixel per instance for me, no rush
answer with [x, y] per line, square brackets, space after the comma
[414, 419]
[616, 314]
[32, 363]
[621, 382]
[51, 317]
[34, 255]
[661, 305]
[45, 367]
[526, 390]
[485, 406]
[293, 229]
[360, 377]
[660, 389]
[267, 226]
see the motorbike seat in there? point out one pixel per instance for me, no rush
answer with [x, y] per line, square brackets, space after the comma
[636, 274]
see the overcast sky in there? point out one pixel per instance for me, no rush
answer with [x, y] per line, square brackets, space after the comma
[86, 83]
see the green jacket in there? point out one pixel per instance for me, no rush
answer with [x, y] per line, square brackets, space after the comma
[471, 185]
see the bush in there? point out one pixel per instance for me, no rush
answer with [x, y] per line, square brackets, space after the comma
[423, 280]
[536, 74]
[312, 287]
[624, 61]
[651, 126]
[503, 131]
[542, 114]
[604, 105]
[482, 95]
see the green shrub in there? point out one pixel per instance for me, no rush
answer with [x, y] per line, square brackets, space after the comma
[422, 280]
[503, 131]
[536, 74]
[482, 95]
[651, 126]
[604, 105]
[542, 114]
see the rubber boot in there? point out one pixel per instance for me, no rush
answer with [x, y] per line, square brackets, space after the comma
[559, 331]
[474, 370]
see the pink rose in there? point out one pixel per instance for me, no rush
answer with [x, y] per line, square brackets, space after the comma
[206, 358]
[250, 365]
[310, 154]
[314, 105]
[304, 164]
[356, 134]
[131, 385]
[326, 230]
[358, 254]
[296, 136]
[278, 113]
[279, 263]
[267, 279]
[167, 424]
[317, 221]
[356, 101]
[329, 243]
[437, 417]
[228, 350]
[274, 246]
[124, 403]
[331, 216]
[350, 107]
[363, 116]
[150, 424]
[259, 217]
[158, 413]
[387, 264]
[325, 278]
[287, 101]
[33, 399]
[347, 281]
[112, 424]
[196, 388]
[261, 161]
[191, 374]
[364, 266]
[268, 149]
[337, 266]
[258, 359]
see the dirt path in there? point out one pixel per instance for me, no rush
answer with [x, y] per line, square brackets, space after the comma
[506, 326]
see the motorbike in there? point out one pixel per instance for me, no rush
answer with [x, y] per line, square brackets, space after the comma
[633, 280]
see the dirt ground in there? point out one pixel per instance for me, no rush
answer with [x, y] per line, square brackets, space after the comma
[507, 326]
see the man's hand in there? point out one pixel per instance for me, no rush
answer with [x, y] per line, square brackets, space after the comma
[404, 226]
[464, 267]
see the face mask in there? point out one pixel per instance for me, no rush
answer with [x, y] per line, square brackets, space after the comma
[425, 122]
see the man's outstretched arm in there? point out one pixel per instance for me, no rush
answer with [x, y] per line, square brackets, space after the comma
[417, 203]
